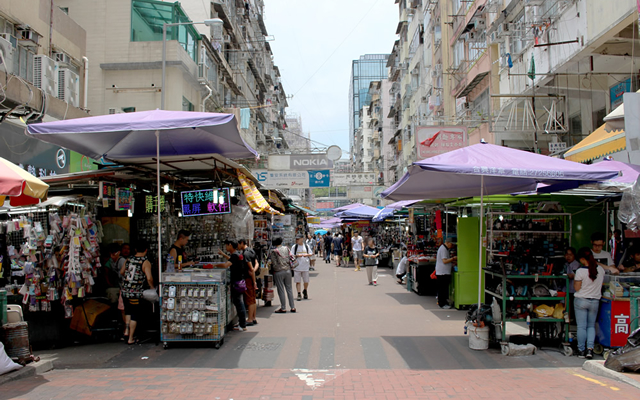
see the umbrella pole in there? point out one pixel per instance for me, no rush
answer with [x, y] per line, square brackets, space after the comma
[158, 206]
[480, 254]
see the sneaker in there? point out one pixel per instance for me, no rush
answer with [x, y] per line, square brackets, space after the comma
[371, 283]
[304, 292]
[446, 307]
[299, 296]
[375, 283]
[582, 354]
[589, 355]
[250, 324]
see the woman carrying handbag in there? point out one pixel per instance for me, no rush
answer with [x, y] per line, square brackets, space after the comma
[279, 257]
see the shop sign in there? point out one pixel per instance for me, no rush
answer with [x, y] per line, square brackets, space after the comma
[411, 219]
[363, 192]
[620, 319]
[357, 178]
[557, 146]
[124, 199]
[309, 162]
[321, 178]
[282, 179]
[434, 140]
[313, 220]
[617, 91]
[325, 205]
[107, 190]
[151, 205]
[360, 224]
[205, 202]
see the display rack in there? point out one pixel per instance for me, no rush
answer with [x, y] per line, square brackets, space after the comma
[194, 307]
[531, 235]
[490, 278]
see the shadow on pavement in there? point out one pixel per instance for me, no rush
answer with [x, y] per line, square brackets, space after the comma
[22, 390]
[453, 352]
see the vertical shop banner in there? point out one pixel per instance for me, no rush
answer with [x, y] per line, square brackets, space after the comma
[411, 219]
[620, 319]
[321, 178]
[617, 91]
[151, 204]
[434, 140]
[205, 202]
[124, 198]
[107, 190]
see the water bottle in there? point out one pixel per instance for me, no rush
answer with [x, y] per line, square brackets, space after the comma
[465, 329]
[171, 266]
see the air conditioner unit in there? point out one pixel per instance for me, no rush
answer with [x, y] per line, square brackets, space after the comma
[30, 35]
[69, 87]
[61, 57]
[227, 38]
[6, 62]
[480, 23]
[240, 11]
[45, 75]
[10, 38]
[203, 73]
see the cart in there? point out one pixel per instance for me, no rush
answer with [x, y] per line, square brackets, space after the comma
[194, 307]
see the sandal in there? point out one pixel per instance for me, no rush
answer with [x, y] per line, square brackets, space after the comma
[293, 310]
[132, 343]
[281, 311]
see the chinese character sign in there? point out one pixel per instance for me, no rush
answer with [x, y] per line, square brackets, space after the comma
[108, 191]
[151, 205]
[434, 140]
[205, 202]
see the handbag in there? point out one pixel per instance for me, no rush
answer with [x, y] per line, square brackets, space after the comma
[240, 286]
[150, 295]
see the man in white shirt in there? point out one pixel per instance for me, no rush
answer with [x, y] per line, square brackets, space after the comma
[356, 245]
[301, 252]
[602, 257]
[444, 264]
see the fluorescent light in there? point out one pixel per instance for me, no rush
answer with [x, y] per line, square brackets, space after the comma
[232, 192]
[215, 196]
[166, 188]
[130, 213]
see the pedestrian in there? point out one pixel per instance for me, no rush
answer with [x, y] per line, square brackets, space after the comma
[357, 244]
[336, 248]
[444, 264]
[401, 271]
[301, 252]
[328, 240]
[311, 245]
[281, 271]
[588, 285]
[238, 279]
[135, 272]
[371, 255]
[252, 268]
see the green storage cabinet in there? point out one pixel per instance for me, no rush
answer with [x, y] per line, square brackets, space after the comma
[465, 280]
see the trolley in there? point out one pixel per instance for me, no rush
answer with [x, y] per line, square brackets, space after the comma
[194, 307]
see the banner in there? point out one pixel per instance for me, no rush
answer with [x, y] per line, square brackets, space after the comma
[275, 200]
[434, 140]
[363, 192]
[299, 162]
[353, 178]
[293, 179]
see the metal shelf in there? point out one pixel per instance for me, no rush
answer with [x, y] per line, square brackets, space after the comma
[511, 231]
[514, 298]
[499, 275]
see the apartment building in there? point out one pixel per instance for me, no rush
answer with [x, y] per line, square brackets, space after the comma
[537, 75]
[208, 68]
[42, 71]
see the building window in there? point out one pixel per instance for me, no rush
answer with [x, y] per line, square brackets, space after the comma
[23, 63]
[458, 53]
[148, 17]
[186, 104]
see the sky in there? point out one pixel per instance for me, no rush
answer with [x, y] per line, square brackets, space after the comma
[315, 42]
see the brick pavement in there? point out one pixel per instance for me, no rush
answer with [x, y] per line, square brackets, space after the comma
[268, 384]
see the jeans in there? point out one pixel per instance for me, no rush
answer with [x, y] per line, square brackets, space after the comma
[586, 315]
[283, 283]
[238, 301]
[443, 282]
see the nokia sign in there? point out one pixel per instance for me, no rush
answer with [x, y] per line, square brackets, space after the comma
[309, 161]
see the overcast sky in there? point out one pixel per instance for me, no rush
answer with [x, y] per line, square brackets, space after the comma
[309, 34]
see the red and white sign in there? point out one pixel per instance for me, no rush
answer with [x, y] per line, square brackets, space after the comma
[620, 319]
[434, 140]
[325, 205]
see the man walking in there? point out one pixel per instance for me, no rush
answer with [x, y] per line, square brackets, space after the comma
[327, 247]
[301, 252]
[336, 248]
[311, 245]
[356, 244]
[444, 263]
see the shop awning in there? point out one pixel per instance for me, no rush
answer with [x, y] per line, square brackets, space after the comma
[22, 187]
[275, 200]
[254, 197]
[598, 144]
[304, 209]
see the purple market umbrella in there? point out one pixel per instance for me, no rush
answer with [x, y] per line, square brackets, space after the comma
[485, 169]
[399, 205]
[630, 173]
[348, 207]
[146, 137]
[364, 212]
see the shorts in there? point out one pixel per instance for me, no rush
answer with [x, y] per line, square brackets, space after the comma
[301, 276]
[133, 308]
[358, 254]
[337, 252]
[249, 294]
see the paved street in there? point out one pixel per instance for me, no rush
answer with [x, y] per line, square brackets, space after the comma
[350, 340]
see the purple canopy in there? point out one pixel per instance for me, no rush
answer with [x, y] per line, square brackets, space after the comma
[347, 207]
[630, 173]
[130, 137]
[399, 205]
[365, 212]
[459, 173]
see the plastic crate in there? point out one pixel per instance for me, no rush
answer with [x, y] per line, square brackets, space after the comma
[3, 307]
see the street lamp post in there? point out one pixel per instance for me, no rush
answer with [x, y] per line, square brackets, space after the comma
[215, 22]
